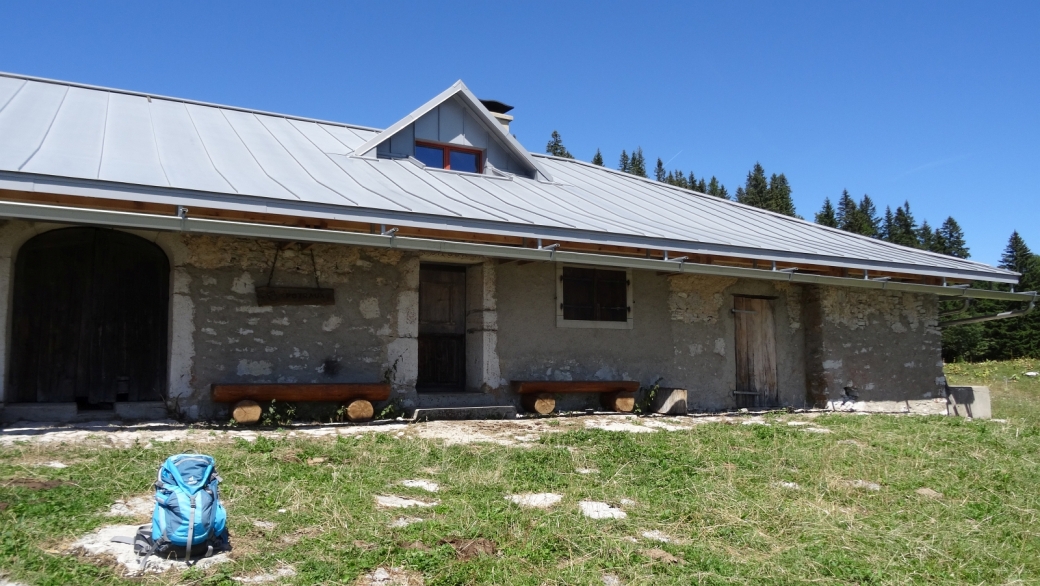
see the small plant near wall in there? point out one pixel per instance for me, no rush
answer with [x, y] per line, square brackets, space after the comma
[647, 396]
[392, 410]
[278, 416]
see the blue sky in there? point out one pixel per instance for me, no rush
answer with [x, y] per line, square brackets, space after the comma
[935, 103]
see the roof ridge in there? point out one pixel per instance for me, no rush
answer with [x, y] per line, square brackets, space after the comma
[184, 100]
[767, 212]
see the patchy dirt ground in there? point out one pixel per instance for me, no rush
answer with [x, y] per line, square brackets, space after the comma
[518, 432]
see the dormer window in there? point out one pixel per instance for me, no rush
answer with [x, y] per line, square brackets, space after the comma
[449, 156]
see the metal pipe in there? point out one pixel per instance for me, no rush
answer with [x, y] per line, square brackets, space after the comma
[136, 220]
[991, 317]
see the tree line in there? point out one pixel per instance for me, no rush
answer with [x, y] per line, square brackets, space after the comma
[993, 340]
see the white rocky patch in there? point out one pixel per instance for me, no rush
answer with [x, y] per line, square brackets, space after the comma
[100, 545]
[816, 430]
[427, 485]
[586, 470]
[138, 506]
[402, 522]
[541, 500]
[864, 484]
[788, 485]
[398, 502]
[656, 535]
[54, 464]
[598, 510]
[284, 572]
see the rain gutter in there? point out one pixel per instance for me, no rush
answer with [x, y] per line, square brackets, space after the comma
[183, 222]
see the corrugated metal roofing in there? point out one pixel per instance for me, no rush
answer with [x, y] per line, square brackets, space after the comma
[59, 137]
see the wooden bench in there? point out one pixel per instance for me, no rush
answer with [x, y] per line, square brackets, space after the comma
[247, 397]
[537, 396]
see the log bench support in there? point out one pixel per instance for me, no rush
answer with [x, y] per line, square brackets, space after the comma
[538, 396]
[358, 397]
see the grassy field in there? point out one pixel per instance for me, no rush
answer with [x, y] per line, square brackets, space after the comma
[714, 489]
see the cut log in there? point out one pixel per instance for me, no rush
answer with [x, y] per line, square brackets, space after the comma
[360, 410]
[246, 412]
[622, 402]
[541, 403]
[338, 392]
[669, 401]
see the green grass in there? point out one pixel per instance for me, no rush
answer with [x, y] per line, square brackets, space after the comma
[713, 486]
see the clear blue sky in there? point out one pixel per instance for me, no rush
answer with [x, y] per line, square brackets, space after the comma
[936, 103]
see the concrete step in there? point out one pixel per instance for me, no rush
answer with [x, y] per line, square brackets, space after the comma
[461, 413]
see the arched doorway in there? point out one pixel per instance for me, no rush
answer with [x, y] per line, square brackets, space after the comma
[89, 319]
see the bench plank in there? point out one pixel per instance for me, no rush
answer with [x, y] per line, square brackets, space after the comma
[526, 387]
[301, 392]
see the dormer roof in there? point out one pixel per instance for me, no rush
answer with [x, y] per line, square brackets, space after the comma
[462, 95]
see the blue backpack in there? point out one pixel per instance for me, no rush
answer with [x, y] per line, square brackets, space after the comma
[188, 520]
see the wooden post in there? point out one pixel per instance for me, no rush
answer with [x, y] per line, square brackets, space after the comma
[246, 412]
[540, 403]
[622, 402]
[360, 410]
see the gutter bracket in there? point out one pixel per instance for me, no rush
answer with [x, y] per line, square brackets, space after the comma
[994, 316]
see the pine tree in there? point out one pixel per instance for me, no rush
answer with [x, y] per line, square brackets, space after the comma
[826, 215]
[888, 224]
[701, 186]
[1017, 256]
[555, 147]
[950, 239]
[715, 188]
[740, 195]
[637, 165]
[869, 222]
[659, 173]
[597, 159]
[756, 189]
[624, 164]
[926, 236]
[904, 227]
[847, 212]
[779, 196]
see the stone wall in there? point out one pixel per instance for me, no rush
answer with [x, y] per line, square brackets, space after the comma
[883, 345]
[359, 339]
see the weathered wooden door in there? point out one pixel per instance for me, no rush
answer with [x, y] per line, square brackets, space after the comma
[755, 351]
[89, 319]
[442, 328]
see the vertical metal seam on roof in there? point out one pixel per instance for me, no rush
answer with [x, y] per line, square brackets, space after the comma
[532, 209]
[155, 142]
[535, 189]
[46, 132]
[373, 165]
[866, 240]
[205, 149]
[347, 175]
[250, 151]
[297, 161]
[104, 134]
[333, 137]
[14, 95]
[427, 178]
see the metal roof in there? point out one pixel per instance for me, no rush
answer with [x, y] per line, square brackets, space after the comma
[64, 138]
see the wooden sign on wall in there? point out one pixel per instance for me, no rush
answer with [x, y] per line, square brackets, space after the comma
[294, 296]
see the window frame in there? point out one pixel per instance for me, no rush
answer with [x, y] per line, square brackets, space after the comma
[447, 148]
[593, 324]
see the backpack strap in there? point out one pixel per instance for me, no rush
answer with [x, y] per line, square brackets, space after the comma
[191, 531]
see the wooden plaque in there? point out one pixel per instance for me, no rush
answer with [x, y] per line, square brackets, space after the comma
[294, 296]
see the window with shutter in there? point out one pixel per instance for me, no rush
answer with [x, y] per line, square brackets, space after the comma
[590, 297]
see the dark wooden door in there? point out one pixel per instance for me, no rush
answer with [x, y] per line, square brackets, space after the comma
[442, 328]
[755, 341]
[89, 319]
